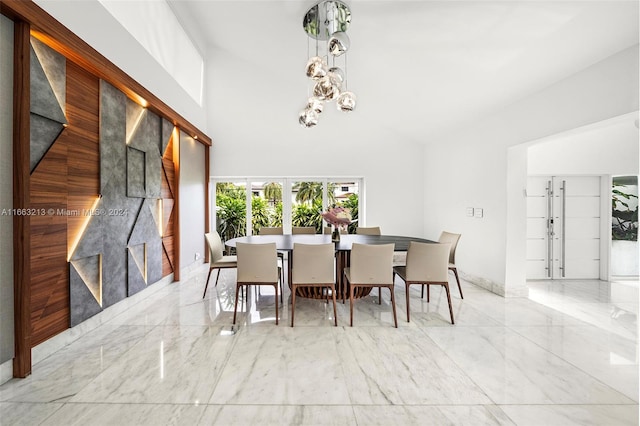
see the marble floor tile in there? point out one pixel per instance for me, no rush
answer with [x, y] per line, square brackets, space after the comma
[604, 355]
[278, 415]
[172, 364]
[567, 354]
[25, 413]
[514, 370]
[72, 414]
[63, 374]
[419, 415]
[402, 366]
[283, 365]
[570, 415]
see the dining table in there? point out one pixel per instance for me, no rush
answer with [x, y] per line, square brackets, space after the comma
[285, 242]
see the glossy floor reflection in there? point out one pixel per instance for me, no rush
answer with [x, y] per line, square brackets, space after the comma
[568, 354]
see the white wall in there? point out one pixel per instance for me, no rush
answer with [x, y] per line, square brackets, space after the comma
[254, 139]
[6, 190]
[608, 148]
[473, 163]
[89, 20]
[192, 193]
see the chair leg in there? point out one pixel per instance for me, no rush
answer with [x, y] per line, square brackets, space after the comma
[293, 302]
[406, 285]
[335, 312]
[235, 306]
[217, 276]
[207, 284]
[455, 272]
[344, 286]
[351, 303]
[393, 304]
[422, 294]
[428, 293]
[379, 295]
[276, 288]
[281, 291]
[446, 287]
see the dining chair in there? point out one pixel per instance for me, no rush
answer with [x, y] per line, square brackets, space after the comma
[257, 265]
[303, 230]
[371, 230]
[452, 239]
[274, 230]
[313, 267]
[271, 230]
[427, 264]
[217, 259]
[371, 266]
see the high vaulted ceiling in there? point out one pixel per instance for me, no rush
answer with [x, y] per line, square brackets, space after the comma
[421, 67]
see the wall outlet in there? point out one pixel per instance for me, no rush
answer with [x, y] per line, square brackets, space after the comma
[469, 211]
[478, 212]
[197, 256]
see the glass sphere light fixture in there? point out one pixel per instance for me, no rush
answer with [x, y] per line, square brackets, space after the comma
[308, 118]
[346, 102]
[328, 22]
[338, 43]
[316, 68]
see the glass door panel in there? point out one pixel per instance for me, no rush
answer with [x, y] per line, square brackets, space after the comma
[266, 205]
[345, 193]
[231, 209]
[306, 204]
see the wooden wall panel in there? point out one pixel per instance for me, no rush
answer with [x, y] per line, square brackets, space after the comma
[167, 256]
[66, 180]
[82, 137]
[49, 270]
[83, 97]
[21, 200]
[168, 214]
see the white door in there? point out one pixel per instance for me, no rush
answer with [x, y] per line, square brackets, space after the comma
[563, 227]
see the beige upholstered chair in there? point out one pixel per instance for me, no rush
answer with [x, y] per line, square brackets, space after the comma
[371, 266]
[217, 260]
[303, 230]
[452, 239]
[257, 265]
[427, 264]
[313, 267]
[274, 230]
[372, 230]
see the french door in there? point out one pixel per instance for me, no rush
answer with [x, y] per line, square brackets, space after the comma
[563, 227]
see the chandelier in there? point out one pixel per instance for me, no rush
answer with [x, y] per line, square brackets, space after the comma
[328, 22]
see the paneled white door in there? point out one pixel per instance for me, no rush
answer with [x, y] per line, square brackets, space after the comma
[563, 227]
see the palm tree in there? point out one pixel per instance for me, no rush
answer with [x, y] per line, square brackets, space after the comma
[308, 192]
[273, 192]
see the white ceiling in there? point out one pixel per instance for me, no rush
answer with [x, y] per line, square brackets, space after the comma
[422, 67]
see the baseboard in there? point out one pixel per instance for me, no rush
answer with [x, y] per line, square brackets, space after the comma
[484, 283]
[6, 371]
[188, 271]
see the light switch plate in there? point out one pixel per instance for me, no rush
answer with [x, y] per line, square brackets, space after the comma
[469, 211]
[478, 212]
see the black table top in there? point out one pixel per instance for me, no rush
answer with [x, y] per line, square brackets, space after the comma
[286, 241]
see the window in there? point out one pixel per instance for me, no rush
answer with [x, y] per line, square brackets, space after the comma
[244, 205]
